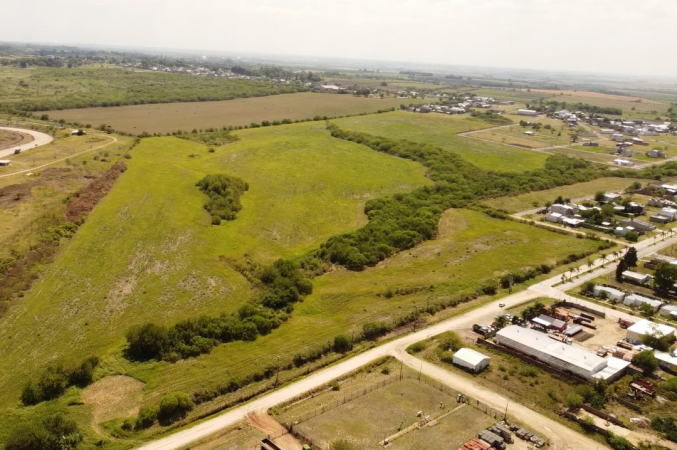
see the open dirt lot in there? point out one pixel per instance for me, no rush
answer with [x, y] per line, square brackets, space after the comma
[113, 397]
[9, 139]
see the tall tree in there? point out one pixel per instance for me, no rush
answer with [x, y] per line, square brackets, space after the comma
[666, 275]
[620, 268]
[630, 257]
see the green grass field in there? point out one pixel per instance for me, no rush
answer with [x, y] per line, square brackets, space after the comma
[37, 88]
[441, 130]
[538, 199]
[157, 257]
[163, 118]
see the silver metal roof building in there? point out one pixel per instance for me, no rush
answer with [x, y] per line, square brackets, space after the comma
[568, 358]
[639, 300]
[470, 359]
[646, 327]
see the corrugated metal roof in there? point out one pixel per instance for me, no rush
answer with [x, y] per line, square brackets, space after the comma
[470, 356]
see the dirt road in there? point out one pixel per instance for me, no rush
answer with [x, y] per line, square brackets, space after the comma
[564, 437]
[38, 140]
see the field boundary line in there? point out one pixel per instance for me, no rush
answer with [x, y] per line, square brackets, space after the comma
[60, 160]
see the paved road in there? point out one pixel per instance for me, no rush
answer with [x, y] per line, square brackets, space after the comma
[38, 140]
[561, 436]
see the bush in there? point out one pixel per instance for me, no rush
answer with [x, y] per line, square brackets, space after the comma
[373, 330]
[416, 347]
[55, 432]
[646, 361]
[449, 340]
[224, 194]
[174, 406]
[147, 341]
[146, 418]
[342, 343]
[574, 400]
[618, 442]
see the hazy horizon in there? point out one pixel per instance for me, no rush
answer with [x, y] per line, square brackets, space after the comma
[577, 36]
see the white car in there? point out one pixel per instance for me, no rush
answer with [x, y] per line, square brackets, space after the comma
[501, 305]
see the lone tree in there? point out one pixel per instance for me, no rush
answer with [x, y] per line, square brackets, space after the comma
[646, 361]
[630, 257]
[666, 275]
[620, 268]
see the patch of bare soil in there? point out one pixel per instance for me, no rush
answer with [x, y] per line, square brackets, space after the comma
[113, 397]
[14, 194]
[85, 200]
[272, 428]
[9, 139]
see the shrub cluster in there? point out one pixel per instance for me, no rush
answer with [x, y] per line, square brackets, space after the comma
[211, 137]
[224, 194]
[520, 276]
[52, 433]
[665, 425]
[193, 337]
[286, 285]
[55, 379]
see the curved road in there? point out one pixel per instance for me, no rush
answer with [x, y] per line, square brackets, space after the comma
[561, 437]
[39, 139]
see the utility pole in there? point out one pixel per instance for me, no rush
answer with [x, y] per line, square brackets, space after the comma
[277, 371]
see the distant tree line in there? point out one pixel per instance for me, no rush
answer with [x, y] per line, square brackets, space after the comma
[89, 87]
[224, 192]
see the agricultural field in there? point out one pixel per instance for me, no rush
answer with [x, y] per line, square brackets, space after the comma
[514, 135]
[538, 199]
[365, 420]
[640, 108]
[393, 84]
[159, 258]
[43, 88]
[166, 118]
[595, 95]
[441, 130]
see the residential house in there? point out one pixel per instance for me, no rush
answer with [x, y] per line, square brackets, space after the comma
[639, 300]
[565, 210]
[638, 225]
[615, 295]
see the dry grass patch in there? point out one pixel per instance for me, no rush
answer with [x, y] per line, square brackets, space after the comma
[113, 397]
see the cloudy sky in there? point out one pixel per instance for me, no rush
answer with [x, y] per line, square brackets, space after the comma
[623, 36]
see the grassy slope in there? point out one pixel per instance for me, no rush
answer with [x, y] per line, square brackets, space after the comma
[171, 117]
[441, 130]
[471, 248]
[148, 251]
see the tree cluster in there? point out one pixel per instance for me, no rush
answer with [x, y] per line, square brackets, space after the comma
[224, 194]
[665, 425]
[192, 337]
[56, 379]
[404, 220]
[88, 87]
[55, 432]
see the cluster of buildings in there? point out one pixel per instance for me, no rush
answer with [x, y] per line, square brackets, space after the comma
[500, 434]
[633, 127]
[635, 300]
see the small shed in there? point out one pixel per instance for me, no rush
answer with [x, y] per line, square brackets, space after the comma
[5, 162]
[550, 323]
[471, 359]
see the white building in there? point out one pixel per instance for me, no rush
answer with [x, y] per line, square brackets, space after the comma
[647, 328]
[565, 210]
[471, 360]
[612, 294]
[553, 217]
[567, 358]
[671, 213]
[5, 162]
[529, 133]
[669, 311]
[639, 300]
[667, 360]
[635, 277]
[623, 163]
[527, 112]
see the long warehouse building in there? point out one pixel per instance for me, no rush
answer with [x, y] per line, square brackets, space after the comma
[567, 358]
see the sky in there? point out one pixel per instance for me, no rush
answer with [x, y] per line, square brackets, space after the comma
[610, 36]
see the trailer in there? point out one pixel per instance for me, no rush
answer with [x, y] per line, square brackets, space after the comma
[587, 316]
[625, 324]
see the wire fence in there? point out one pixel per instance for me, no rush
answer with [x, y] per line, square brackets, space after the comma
[486, 409]
[359, 393]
